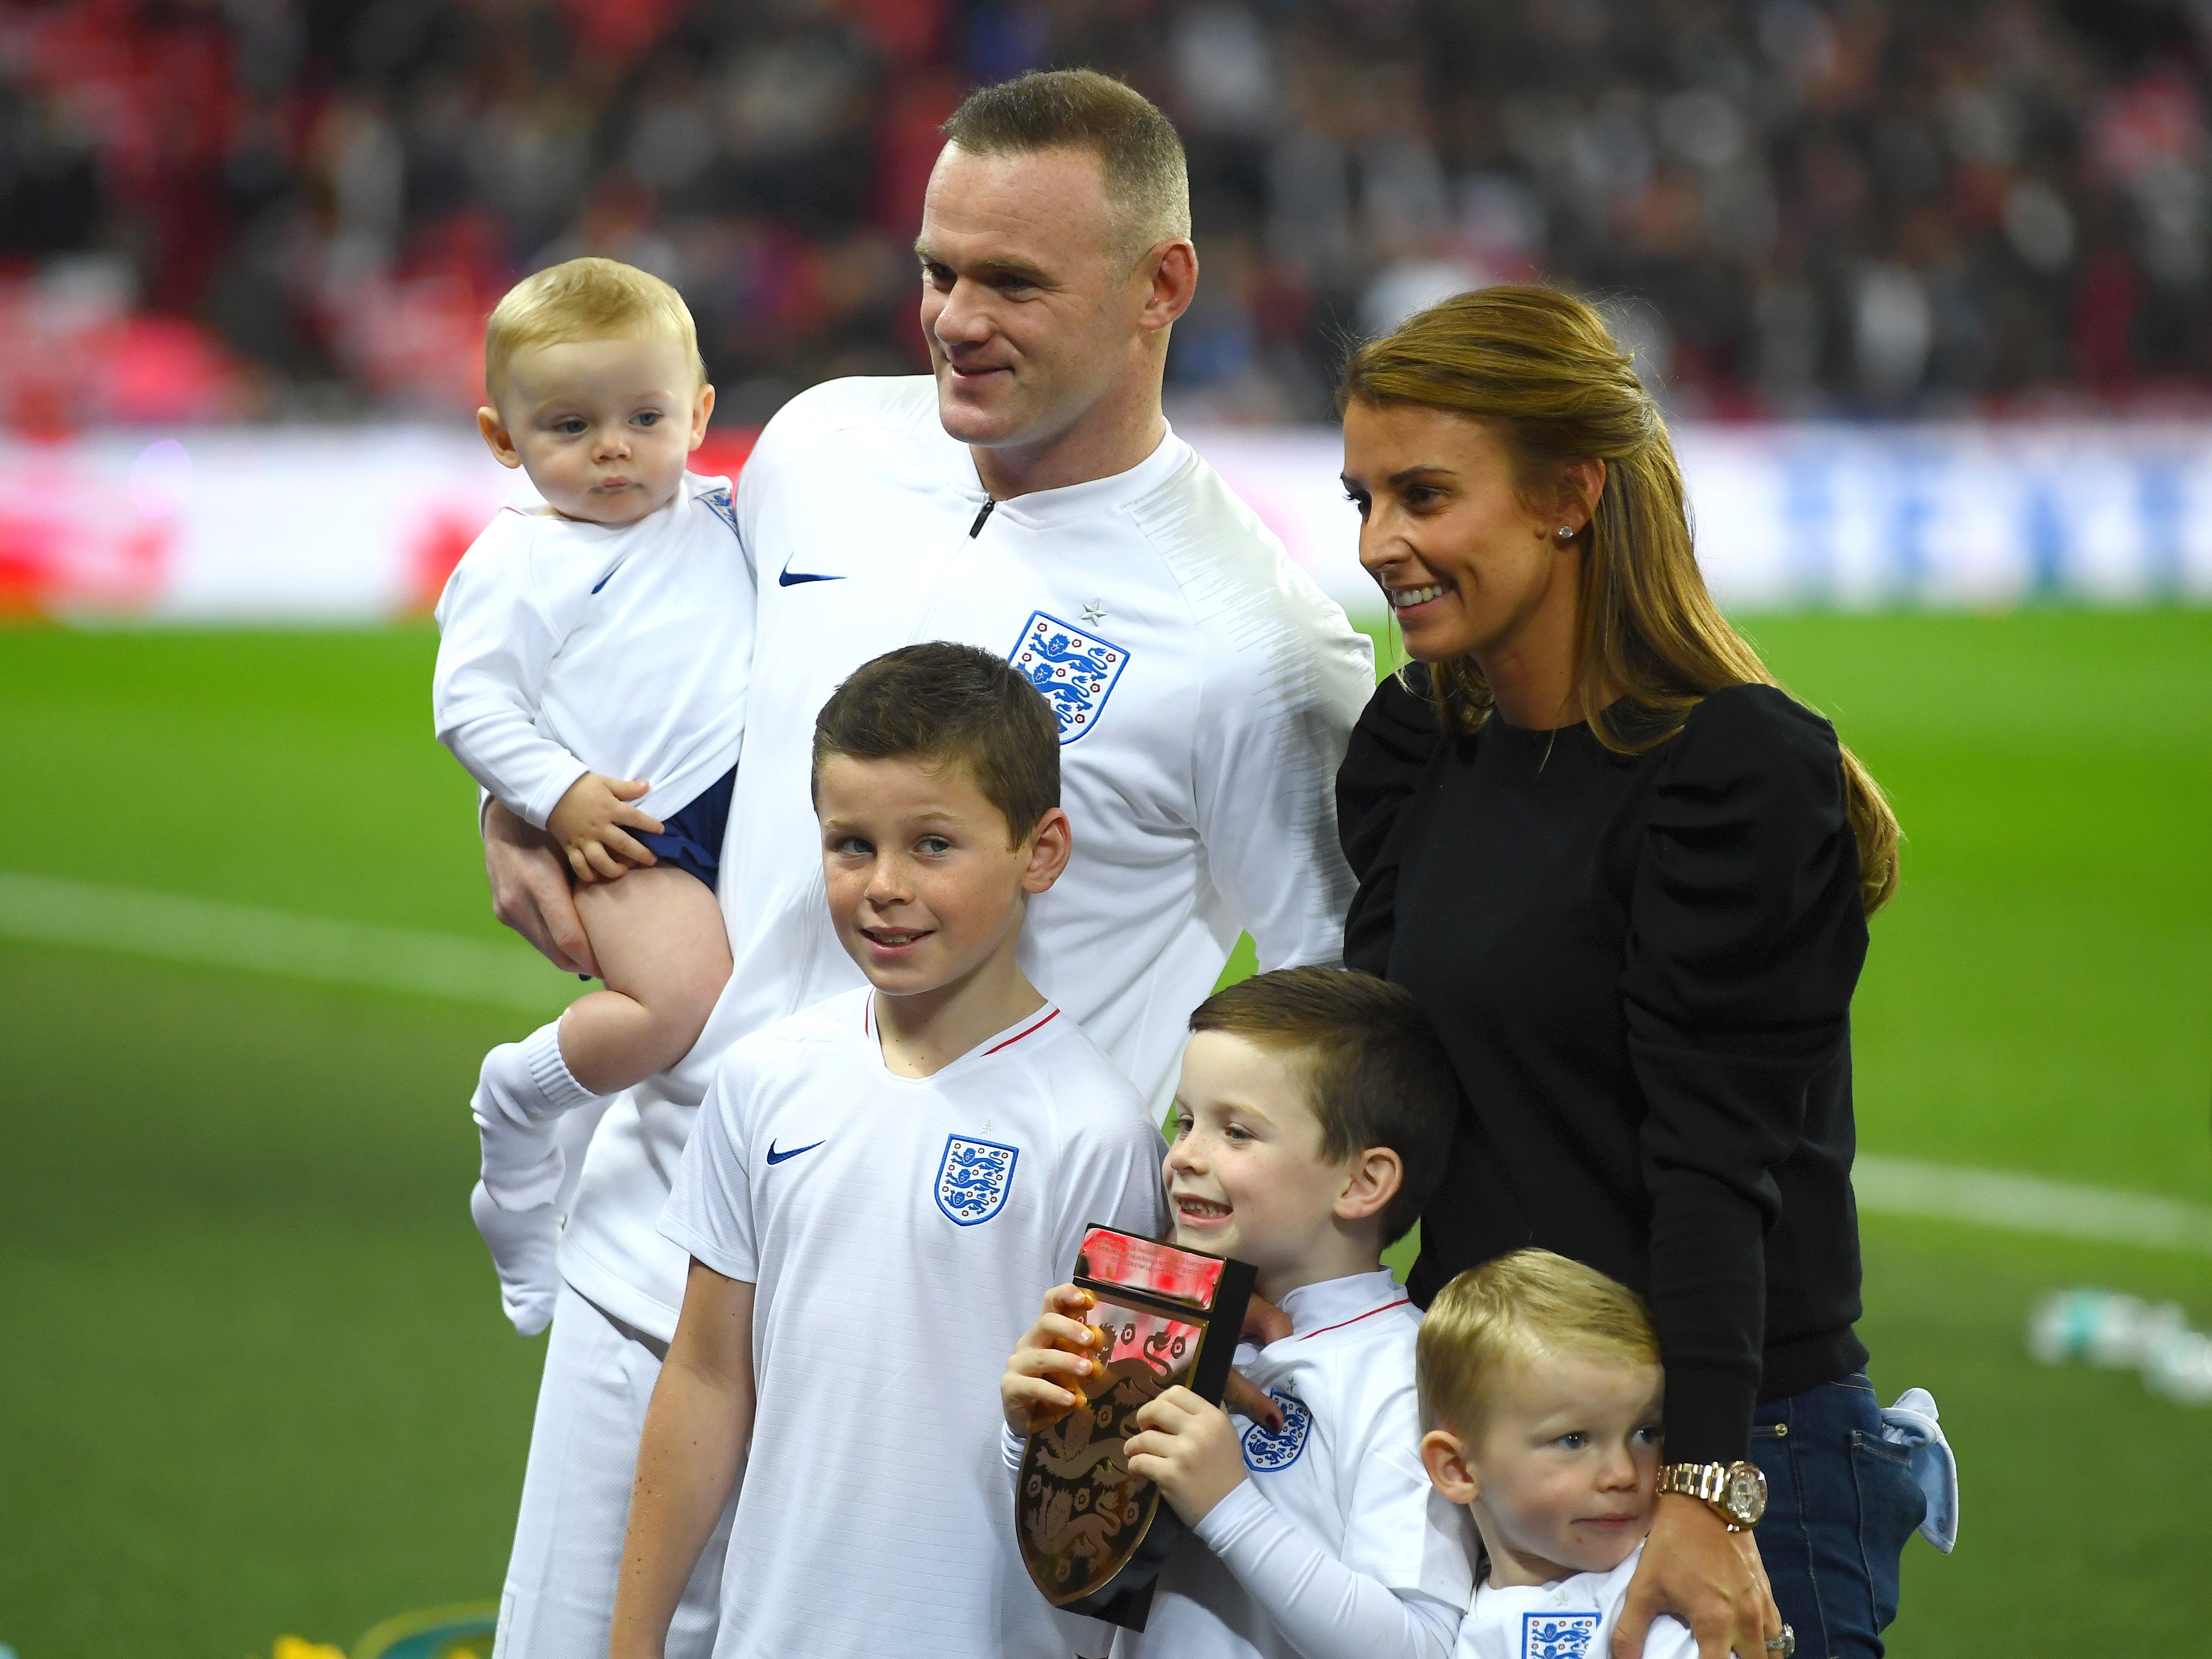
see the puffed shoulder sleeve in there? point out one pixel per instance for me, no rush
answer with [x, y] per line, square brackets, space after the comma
[1746, 937]
[1391, 747]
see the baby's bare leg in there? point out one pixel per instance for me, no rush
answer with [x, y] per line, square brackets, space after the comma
[664, 956]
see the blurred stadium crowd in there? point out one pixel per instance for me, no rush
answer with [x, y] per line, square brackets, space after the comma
[302, 209]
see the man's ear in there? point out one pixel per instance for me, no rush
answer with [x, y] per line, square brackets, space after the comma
[1370, 1182]
[1172, 268]
[1050, 844]
[496, 438]
[1443, 1454]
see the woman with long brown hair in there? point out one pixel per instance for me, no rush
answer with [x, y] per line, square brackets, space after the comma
[1629, 879]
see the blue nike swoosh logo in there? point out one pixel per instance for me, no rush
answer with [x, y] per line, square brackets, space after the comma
[787, 577]
[774, 1157]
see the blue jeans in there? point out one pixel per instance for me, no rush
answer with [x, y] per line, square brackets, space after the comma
[1840, 1502]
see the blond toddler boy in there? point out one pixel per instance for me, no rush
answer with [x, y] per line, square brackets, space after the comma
[591, 675]
[1541, 1393]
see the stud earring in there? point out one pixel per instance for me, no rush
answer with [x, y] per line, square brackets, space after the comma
[1566, 532]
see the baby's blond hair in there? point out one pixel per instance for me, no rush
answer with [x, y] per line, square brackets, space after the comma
[587, 299]
[1517, 1310]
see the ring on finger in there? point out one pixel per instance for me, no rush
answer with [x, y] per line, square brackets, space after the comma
[1785, 1644]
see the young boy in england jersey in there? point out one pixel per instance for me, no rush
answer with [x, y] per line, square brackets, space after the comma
[873, 1192]
[590, 675]
[1541, 1391]
[1311, 1124]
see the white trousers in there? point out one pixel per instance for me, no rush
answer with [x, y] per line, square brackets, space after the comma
[559, 1599]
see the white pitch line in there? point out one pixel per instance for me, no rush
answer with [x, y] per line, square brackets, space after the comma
[211, 934]
[2029, 1204]
[207, 933]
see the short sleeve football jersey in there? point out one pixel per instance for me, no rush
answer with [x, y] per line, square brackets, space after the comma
[1573, 1619]
[902, 1233]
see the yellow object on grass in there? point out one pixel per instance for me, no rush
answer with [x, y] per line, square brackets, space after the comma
[465, 1631]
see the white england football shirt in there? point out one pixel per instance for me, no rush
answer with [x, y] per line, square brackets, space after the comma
[1571, 1619]
[567, 648]
[1345, 1470]
[902, 1232]
[1205, 689]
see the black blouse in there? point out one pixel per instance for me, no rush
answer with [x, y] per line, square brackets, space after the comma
[1642, 966]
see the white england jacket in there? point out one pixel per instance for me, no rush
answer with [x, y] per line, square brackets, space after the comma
[1205, 689]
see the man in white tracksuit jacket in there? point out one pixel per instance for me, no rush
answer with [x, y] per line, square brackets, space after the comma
[1028, 498]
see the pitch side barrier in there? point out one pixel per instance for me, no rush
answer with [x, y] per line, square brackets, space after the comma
[363, 523]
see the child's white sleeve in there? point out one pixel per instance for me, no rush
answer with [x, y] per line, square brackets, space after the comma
[495, 639]
[709, 1210]
[1327, 1609]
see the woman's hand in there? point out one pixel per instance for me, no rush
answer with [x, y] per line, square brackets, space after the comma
[1188, 1449]
[530, 891]
[1044, 1380]
[1707, 1576]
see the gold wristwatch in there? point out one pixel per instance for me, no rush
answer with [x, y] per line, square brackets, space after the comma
[1737, 1491]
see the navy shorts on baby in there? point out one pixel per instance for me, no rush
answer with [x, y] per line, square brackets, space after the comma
[690, 837]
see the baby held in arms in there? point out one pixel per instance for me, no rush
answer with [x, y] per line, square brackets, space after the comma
[592, 661]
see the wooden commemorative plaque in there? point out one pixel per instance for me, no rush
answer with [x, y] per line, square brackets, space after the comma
[1093, 1536]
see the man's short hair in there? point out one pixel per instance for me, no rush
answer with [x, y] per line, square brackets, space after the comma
[1376, 1075]
[943, 703]
[1138, 150]
[587, 299]
[1521, 1309]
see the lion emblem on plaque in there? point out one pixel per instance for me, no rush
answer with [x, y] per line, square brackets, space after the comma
[1093, 1536]
[973, 1179]
[1075, 671]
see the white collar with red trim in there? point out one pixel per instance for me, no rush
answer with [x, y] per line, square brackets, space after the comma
[1333, 1301]
[1036, 1020]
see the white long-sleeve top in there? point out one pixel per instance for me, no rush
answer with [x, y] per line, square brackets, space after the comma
[567, 648]
[1335, 1546]
[1206, 689]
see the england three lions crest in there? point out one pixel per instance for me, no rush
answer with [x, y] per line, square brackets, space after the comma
[1268, 1450]
[974, 1178]
[1075, 671]
[1558, 1635]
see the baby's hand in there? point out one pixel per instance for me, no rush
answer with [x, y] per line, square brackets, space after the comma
[1189, 1450]
[592, 822]
[1043, 1380]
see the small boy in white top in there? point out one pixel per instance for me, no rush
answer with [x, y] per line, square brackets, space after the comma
[1540, 1390]
[591, 671]
[873, 1192]
[1311, 1124]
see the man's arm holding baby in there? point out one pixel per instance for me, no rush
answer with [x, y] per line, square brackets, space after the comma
[530, 890]
[696, 1433]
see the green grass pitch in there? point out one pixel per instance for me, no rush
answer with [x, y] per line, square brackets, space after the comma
[253, 1378]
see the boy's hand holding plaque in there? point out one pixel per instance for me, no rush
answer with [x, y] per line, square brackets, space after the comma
[1139, 1318]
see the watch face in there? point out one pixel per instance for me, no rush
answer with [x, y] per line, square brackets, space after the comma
[1745, 1496]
